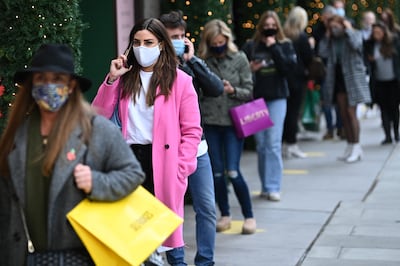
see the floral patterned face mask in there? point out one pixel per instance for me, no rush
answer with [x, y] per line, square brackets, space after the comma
[50, 97]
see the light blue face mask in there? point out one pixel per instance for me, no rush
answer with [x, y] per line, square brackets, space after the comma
[179, 46]
[340, 12]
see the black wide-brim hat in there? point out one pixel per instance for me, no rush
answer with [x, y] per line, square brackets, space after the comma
[53, 58]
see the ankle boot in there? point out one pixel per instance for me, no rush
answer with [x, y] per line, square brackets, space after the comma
[249, 226]
[346, 153]
[356, 154]
[224, 223]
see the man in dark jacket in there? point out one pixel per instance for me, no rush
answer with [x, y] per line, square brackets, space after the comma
[201, 183]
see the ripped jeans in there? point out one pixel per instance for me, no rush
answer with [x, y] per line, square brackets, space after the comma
[225, 150]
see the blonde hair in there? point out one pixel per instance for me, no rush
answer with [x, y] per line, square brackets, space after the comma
[295, 23]
[76, 111]
[212, 29]
[258, 35]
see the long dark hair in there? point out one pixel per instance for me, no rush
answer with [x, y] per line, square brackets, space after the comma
[258, 34]
[387, 48]
[164, 72]
[390, 21]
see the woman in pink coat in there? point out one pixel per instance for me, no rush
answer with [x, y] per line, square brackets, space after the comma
[159, 113]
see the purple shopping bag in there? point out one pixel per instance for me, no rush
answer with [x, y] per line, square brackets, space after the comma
[251, 117]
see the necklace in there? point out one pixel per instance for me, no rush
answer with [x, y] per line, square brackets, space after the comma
[44, 141]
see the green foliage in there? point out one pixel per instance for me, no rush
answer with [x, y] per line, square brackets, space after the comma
[26, 24]
[198, 13]
[243, 16]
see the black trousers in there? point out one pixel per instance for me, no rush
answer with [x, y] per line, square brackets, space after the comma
[294, 104]
[388, 97]
[144, 155]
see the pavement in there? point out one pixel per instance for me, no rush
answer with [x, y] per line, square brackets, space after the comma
[331, 213]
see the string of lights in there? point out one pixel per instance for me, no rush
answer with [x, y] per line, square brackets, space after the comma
[242, 16]
[25, 26]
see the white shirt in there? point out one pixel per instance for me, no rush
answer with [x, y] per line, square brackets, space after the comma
[141, 116]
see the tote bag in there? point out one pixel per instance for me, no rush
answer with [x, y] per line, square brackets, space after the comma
[250, 118]
[311, 112]
[123, 232]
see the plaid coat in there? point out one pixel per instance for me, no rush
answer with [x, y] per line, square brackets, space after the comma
[353, 67]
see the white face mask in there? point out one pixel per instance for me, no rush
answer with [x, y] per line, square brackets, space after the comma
[146, 56]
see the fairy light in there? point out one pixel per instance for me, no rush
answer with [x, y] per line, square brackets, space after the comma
[36, 21]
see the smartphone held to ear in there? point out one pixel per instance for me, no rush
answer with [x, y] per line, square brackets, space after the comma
[129, 55]
[186, 49]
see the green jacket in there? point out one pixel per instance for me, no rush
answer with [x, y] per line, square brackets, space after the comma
[235, 68]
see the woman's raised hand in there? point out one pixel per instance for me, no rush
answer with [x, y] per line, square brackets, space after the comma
[118, 67]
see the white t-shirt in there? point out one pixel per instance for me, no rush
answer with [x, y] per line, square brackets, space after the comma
[141, 116]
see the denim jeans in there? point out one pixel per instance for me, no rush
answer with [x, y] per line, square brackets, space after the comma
[201, 185]
[225, 150]
[269, 148]
[327, 110]
[176, 257]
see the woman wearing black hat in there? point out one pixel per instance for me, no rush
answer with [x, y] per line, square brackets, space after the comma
[54, 153]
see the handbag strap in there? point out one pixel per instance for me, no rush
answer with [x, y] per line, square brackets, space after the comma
[31, 248]
[11, 191]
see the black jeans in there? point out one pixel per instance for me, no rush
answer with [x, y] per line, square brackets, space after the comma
[388, 97]
[144, 155]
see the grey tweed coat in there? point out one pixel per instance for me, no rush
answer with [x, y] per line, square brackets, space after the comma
[354, 70]
[115, 173]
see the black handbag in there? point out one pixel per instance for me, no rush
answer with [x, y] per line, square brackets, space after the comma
[59, 258]
[317, 69]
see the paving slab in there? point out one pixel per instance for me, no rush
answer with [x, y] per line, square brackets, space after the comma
[331, 213]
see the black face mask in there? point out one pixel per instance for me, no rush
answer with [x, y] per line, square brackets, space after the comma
[218, 50]
[269, 32]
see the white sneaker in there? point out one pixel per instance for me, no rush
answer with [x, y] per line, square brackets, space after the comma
[293, 150]
[274, 196]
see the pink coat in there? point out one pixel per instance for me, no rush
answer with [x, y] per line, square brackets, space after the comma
[176, 136]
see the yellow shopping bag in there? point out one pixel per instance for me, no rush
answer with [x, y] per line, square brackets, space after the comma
[123, 232]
